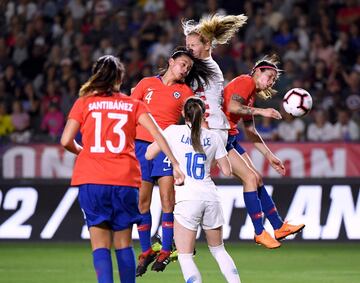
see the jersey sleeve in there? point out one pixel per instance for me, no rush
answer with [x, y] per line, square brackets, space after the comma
[138, 92]
[141, 109]
[188, 93]
[76, 111]
[220, 148]
[244, 86]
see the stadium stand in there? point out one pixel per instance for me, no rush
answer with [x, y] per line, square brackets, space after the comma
[47, 49]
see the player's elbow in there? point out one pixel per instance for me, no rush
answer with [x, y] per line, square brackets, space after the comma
[227, 171]
[65, 141]
[62, 142]
[151, 151]
[225, 167]
[148, 155]
[233, 108]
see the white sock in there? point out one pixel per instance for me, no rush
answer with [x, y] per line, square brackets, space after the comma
[189, 268]
[226, 264]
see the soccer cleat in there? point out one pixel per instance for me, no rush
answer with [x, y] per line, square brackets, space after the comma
[145, 259]
[287, 229]
[266, 240]
[161, 262]
[173, 255]
[156, 243]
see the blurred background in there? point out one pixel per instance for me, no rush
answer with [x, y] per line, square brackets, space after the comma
[47, 49]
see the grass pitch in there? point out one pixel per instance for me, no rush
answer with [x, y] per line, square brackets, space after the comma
[293, 262]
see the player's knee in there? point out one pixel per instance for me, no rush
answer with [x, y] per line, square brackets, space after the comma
[167, 205]
[258, 176]
[216, 250]
[167, 202]
[144, 206]
[251, 179]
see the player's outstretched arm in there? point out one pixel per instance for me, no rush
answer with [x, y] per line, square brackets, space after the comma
[236, 106]
[253, 136]
[152, 151]
[68, 137]
[149, 123]
[276, 163]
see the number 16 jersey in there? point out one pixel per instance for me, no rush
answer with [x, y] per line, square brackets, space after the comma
[107, 125]
[196, 166]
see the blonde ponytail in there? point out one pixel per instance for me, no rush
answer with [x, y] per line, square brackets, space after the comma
[266, 93]
[217, 29]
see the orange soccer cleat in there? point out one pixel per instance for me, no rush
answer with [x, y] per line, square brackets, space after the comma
[266, 240]
[287, 229]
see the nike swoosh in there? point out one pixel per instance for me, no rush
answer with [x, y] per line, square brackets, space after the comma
[166, 169]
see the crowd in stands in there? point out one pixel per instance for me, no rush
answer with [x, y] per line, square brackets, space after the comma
[47, 49]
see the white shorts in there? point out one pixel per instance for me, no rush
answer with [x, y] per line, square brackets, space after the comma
[192, 213]
[223, 134]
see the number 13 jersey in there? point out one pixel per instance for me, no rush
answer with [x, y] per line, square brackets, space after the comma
[107, 125]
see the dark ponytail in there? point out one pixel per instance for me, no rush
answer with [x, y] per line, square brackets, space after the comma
[194, 110]
[201, 72]
[107, 71]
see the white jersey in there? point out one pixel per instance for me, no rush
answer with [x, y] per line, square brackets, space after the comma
[198, 184]
[213, 96]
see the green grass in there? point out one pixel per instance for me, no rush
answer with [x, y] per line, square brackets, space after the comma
[293, 262]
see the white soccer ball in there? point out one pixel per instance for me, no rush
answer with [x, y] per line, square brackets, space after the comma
[297, 102]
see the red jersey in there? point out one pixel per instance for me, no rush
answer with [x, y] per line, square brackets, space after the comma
[165, 103]
[245, 87]
[107, 125]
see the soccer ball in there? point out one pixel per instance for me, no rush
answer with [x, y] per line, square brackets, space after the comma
[297, 102]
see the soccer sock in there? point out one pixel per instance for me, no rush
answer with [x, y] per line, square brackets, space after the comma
[189, 269]
[269, 208]
[167, 231]
[126, 264]
[144, 230]
[103, 265]
[226, 264]
[253, 207]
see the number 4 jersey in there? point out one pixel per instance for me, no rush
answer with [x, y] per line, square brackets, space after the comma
[107, 125]
[165, 102]
[196, 166]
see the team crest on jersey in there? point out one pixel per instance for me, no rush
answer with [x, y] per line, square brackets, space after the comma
[176, 94]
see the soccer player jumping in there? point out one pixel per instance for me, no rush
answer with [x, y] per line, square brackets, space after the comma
[239, 101]
[198, 200]
[165, 95]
